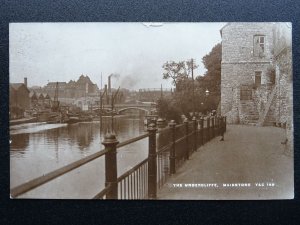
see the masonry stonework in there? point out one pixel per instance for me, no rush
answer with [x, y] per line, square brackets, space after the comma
[250, 92]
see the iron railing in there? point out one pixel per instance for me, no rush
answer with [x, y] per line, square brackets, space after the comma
[175, 145]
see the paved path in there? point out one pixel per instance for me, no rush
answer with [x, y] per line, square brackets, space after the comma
[248, 155]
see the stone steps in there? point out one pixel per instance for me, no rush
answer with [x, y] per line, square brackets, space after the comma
[251, 115]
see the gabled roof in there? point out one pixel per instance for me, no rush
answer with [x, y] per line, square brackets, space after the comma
[46, 95]
[84, 79]
[39, 95]
[32, 94]
[16, 86]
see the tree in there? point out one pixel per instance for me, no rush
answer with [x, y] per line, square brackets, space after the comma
[212, 77]
[167, 109]
[189, 95]
[178, 71]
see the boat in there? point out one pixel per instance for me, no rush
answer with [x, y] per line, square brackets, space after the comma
[73, 119]
[45, 116]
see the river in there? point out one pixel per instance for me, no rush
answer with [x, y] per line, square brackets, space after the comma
[39, 148]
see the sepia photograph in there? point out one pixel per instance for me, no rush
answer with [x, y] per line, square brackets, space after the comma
[151, 110]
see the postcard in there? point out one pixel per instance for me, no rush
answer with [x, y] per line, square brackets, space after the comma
[151, 110]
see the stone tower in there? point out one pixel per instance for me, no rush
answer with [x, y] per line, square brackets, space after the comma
[249, 78]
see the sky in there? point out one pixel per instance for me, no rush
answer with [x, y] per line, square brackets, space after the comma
[50, 52]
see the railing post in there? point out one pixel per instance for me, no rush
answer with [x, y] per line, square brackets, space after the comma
[110, 142]
[218, 125]
[208, 128]
[152, 164]
[186, 124]
[213, 126]
[172, 126]
[160, 123]
[202, 131]
[195, 133]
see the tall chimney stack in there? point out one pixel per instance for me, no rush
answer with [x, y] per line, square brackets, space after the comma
[25, 81]
[109, 84]
[106, 96]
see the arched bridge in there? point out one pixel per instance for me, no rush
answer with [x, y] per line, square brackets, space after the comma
[123, 107]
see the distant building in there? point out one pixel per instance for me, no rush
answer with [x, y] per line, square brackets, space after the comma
[73, 89]
[33, 99]
[51, 87]
[86, 103]
[84, 86]
[152, 94]
[256, 73]
[19, 100]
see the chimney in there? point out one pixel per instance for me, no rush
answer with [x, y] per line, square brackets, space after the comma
[109, 84]
[106, 96]
[25, 81]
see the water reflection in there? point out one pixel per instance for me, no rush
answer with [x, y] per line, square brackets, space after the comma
[19, 143]
[42, 148]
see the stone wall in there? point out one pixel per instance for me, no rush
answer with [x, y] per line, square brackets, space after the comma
[237, 42]
[236, 74]
[239, 65]
[261, 97]
[284, 79]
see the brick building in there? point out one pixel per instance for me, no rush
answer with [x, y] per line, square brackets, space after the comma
[73, 89]
[256, 73]
[19, 99]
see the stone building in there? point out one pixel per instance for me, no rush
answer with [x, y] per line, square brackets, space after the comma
[256, 73]
[283, 91]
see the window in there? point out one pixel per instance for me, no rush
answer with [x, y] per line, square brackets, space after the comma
[272, 77]
[259, 45]
[245, 93]
[257, 78]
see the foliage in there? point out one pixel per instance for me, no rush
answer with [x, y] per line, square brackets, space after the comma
[167, 109]
[178, 71]
[189, 95]
[212, 78]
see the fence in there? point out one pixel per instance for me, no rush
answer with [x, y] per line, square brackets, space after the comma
[176, 144]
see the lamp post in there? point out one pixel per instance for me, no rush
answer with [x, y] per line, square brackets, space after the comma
[205, 98]
[206, 95]
[206, 92]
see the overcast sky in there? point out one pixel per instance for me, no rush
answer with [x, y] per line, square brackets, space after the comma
[45, 52]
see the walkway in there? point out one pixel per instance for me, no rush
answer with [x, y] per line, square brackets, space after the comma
[249, 155]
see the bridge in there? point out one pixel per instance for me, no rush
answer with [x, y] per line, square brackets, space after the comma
[145, 107]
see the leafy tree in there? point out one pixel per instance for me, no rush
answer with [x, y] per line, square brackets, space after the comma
[212, 78]
[184, 100]
[178, 71]
[167, 109]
